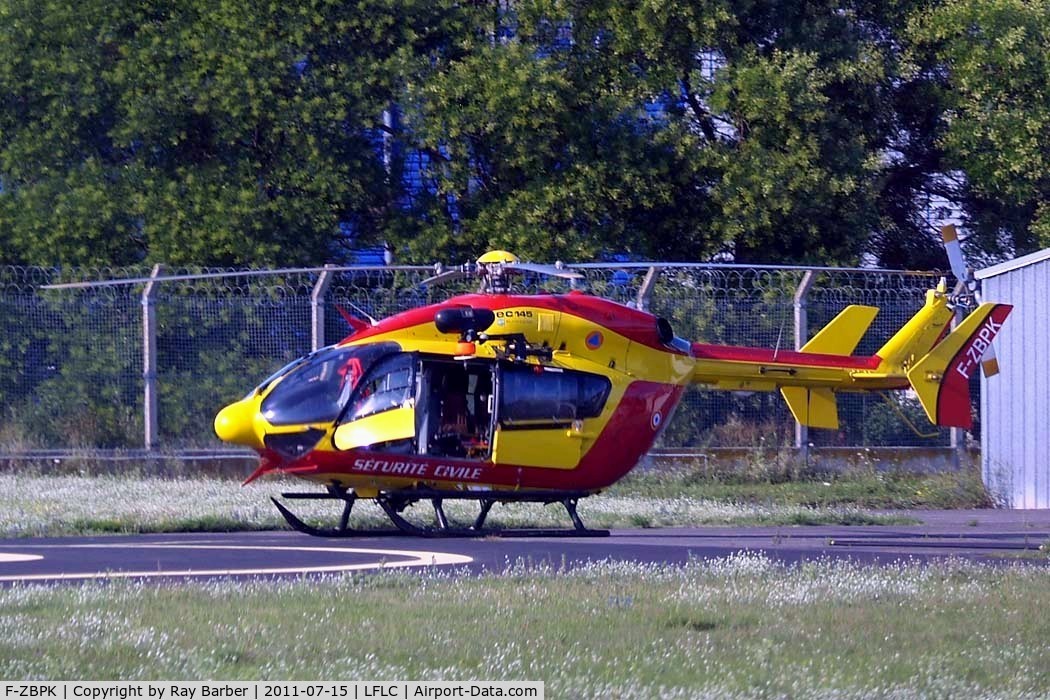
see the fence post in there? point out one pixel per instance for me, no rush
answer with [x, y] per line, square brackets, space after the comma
[645, 292]
[149, 361]
[801, 336]
[317, 296]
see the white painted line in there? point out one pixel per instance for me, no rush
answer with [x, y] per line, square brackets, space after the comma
[8, 558]
[410, 558]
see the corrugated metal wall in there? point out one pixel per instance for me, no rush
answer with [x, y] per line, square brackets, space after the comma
[1015, 406]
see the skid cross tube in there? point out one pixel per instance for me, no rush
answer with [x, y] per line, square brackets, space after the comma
[486, 506]
[439, 513]
[393, 503]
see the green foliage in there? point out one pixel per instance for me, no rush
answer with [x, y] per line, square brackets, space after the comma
[540, 159]
[898, 420]
[201, 132]
[735, 627]
[75, 382]
[73, 374]
[997, 110]
[233, 132]
[789, 182]
[746, 148]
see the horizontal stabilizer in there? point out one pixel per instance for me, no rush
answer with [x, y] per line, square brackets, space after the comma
[942, 377]
[815, 408]
[841, 336]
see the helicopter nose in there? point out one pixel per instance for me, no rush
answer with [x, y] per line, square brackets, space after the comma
[236, 424]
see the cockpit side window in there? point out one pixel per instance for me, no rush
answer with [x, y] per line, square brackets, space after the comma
[390, 384]
[316, 389]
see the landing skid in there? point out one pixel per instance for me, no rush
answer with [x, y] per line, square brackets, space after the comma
[394, 504]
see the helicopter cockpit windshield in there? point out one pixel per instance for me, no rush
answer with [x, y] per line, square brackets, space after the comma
[315, 390]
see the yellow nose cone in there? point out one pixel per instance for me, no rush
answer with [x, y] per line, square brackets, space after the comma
[236, 424]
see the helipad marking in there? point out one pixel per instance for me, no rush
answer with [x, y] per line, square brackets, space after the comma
[412, 558]
[8, 558]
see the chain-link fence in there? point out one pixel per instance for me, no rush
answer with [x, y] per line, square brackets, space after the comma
[145, 366]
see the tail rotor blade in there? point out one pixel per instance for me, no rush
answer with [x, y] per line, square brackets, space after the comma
[989, 362]
[955, 255]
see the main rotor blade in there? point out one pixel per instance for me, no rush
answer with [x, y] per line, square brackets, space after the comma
[447, 276]
[544, 270]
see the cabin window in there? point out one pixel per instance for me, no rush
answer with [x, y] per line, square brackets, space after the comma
[391, 384]
[530, 394]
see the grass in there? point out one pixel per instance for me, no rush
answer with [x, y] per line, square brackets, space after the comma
[741, 627]
[49, 505]
[39, 502]
[864, 487]
[1041, 554]
[36, 502]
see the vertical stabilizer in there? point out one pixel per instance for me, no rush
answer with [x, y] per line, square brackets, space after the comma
[841, 336]
[919, 334]
[942, 378]
[815, 408]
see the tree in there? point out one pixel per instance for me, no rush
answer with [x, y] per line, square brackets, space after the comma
[230, 133]
[772, 94]
[990, 56]
[531, 147]
[58, 188]
[673, 129]
[202, 131]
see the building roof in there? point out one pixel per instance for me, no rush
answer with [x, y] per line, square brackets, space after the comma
[1015, 264]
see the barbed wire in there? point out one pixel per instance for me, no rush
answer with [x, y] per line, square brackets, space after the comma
[698, 275]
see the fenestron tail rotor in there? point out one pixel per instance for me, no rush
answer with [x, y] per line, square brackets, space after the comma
[964, 273]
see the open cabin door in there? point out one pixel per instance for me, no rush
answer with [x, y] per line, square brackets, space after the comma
[542, 415]
[409, 404]
[455, 408]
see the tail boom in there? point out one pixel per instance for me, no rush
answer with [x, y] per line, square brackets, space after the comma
[807, 381]
[922, 355]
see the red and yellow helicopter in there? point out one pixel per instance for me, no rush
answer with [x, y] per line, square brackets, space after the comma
[499, 397]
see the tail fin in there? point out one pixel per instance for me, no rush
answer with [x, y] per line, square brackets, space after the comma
[816, 407]
[942, 377]
[841, 336]
[918, 336]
